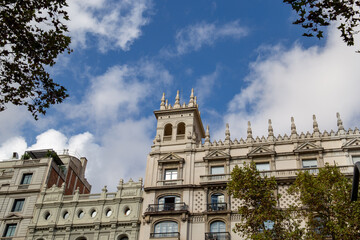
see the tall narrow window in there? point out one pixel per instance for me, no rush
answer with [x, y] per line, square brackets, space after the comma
[18, 205]
[171, 174]
[26, 178]
[180, 132]
[167, 132]
[217, 202]
[9, 230]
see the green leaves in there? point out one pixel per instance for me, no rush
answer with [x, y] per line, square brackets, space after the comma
[325, 200]
[260, 205]
[32, 35]
[315, 14]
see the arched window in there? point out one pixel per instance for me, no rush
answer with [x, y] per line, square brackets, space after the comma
[167, 132]
[166, 229]
[81, 238]
[180, 132]
[217, 227]
[169, 203]
[123, 237]
[217, 202]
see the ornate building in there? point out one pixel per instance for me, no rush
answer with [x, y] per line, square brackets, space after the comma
[185, 193]
[88, 216]
[21, 181]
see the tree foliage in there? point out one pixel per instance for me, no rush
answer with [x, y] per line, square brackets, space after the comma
[325, 201]
[260, 214]
[32, 36]
[314, 14]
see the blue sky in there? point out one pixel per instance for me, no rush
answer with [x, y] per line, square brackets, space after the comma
[245, 60]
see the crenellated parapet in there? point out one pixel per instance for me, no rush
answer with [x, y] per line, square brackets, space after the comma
[294, 136]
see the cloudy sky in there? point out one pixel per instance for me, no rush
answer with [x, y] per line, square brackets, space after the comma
[245, 60]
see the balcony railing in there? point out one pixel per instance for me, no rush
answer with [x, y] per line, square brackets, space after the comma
[180, 136]
[214, 177]
[217, 236]
[166, 207]
[216, 207]
[165, 235]
[282, 173]
[170, 182]
[167, 138]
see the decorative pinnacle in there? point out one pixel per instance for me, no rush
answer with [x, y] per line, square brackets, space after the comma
[249, 131]
[195, 99]
[191, 102]
[270, 129]
[315, 124]
[166, 103]
[162, 104]
[293, 127]
[177, 100]
[339, 122]
[207, 134]
[227, 132]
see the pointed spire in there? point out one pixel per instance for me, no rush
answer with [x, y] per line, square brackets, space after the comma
[249, 133]
[195, 99]
[270, 129]
[207, 135]
[162, 104]
[315, 125]
[293, 128]
[166, 103]
[227, 132]
[339, 122]
[177, 100]
[191, 102]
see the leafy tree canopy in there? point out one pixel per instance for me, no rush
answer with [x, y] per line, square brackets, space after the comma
[325, 202]
[314, 14]
[32, 36]
[260, 214]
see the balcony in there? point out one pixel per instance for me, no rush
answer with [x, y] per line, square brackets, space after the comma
[278, 174]
[214, 178]
[213, 207]
[166, 207]
[217, 236]
[168, 235]
[170, 182]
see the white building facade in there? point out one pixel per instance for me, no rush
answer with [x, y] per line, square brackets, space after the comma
[185, 193]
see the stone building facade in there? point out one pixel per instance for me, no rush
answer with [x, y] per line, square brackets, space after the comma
[185, 193]
[21, 181]
[101, 216]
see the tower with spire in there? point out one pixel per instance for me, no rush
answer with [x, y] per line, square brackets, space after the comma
[180, 123]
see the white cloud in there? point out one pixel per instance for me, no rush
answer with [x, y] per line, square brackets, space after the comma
[14, 144]
[117, 93]
[298, 82]
[193, 37]
[114, 23]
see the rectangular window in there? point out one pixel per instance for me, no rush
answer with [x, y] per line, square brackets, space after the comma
[355, 159]
[263, 166]
[26, 178]
[309, 163]
[18, 205]
[171, 174]
[9, 230]
[217, 170]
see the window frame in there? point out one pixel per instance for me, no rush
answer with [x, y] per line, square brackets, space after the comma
[217, 166]
[15, 207]
[308, 160]
[172, 171]
[263, 163]
[5, 234]
[22, 182]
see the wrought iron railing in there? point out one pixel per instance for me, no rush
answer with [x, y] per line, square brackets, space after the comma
[167, 207]
[217, 236]
[216, 207]
[165, 235]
